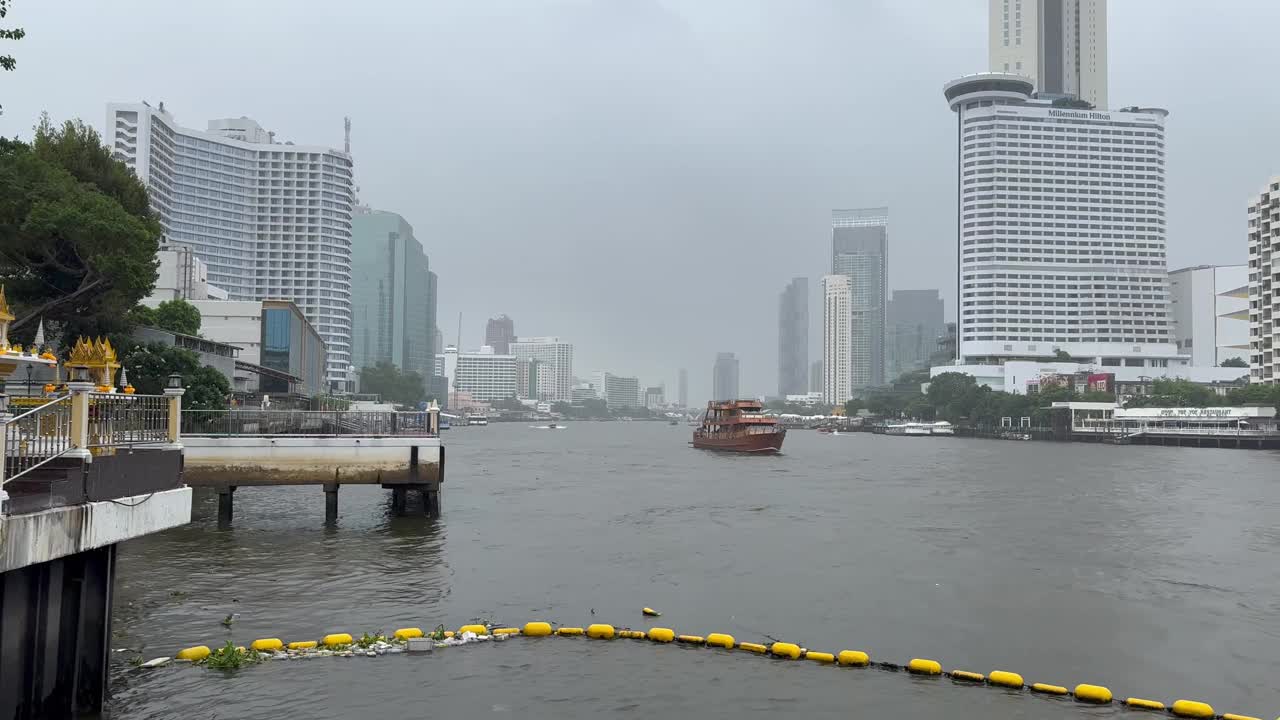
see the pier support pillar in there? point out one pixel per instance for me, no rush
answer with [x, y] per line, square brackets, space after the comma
[399, 499]
[226, 497]
[330, 502]
[431, 500]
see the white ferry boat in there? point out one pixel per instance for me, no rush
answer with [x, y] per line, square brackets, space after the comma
[919, 429]
[477, 420]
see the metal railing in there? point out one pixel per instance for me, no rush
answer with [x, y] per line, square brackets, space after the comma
[118, 420]
[36, 437]
[303, 422]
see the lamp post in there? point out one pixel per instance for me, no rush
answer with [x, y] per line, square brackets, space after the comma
[173, 391]
[30, 368]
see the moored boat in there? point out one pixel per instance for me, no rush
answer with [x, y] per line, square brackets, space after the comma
[739, 426]
[942, 427]
[911, 429]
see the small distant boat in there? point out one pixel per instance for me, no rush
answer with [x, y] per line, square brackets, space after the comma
[477, 420]
[673, 421]
[550, 426]
[910, 429]
[739, 426]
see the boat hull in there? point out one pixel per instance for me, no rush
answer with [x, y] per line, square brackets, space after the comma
[762, 443]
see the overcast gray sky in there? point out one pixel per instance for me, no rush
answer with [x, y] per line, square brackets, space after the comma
[642, 177]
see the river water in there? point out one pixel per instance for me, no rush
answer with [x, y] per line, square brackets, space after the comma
[1153, 571]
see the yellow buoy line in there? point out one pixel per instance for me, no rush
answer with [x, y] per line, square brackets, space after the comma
[343, 644]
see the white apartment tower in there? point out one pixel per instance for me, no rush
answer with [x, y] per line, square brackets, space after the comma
[1061, 228]
[555, 360]
[1060, 44]
[837, 323]
[1264, 277]
[271, 220]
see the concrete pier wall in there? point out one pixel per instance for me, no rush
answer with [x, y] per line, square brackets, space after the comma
[306, 460]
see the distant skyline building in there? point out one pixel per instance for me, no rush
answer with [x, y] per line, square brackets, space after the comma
[618, 392]
[655, 398]
[859, 251]
[1090, 277]
[815, 376]
[485, 375]
[1264, 286]
[271, 220]
[724, 377]
[499, 333]
[1060, 44]
[391, 292]
[837, 323]
[915, 324]
[793, 338]
[555, 358]
[1209, 313]
[683, 389]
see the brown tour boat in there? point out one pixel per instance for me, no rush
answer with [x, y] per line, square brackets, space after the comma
[739, 426]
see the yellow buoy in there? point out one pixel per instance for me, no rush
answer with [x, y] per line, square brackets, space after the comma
[1192, 709]
[407, 633]
[631, 634]
[1004, 678]
[267, 644]
[662, 635]
[601, 632]
[303, 645]
[853, 657]
[720, 640]
[537, 629]
[506, 631]
[651, 612]
[334, 639]
[1144, 704]
[1233, 716]
[1093, 694]
[194, 654]
[691, 639]
[570, 631]
[785, 649]
[1048, 689]
[967, 676]
[477, 629]
[820, 657]
[753, 647]
[920, 666]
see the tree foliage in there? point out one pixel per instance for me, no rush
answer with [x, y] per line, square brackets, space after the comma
[1234, 362]
[151, 365]
[387, 380]
[178, 316]
[8, 62]
[77, 241]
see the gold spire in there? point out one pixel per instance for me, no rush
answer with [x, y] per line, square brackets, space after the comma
[5, 314]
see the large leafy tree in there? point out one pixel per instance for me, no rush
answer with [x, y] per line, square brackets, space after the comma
[151, 365]
[385, 379]
[77, 240]
[7, 62]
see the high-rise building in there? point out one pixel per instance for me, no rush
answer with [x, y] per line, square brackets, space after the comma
[617, 392]
[1209, 313]
[1264, 286]
[859, 251]
[655, 398]
[271, 220]
[837, 321]
[724, 377]
[793, 338]
[486, 375]
[915, 324]
[815, 376]
[390, 294]
[1061, 228]
[683, 389]
[1060, 44]
[499, 333]
[555, 384]
[527, 385]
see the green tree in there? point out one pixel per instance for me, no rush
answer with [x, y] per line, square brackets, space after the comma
[1061, 355]
[77, 242]
[385, 379]
[178, 316]
[151, 365]
[1234, 362]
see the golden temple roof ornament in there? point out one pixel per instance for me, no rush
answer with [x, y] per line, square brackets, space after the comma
[96, 356]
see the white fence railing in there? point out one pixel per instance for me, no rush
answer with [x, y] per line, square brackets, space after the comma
[119, 420]
[36, 437]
